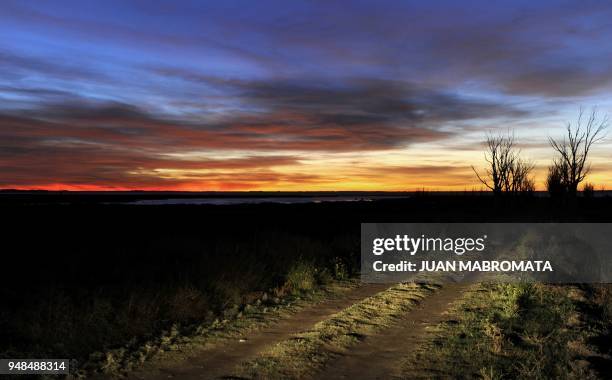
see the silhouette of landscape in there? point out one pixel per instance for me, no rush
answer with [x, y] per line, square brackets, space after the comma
[127, 274]
[205, 190]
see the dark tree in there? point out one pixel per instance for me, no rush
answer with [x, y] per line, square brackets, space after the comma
[571, 166]
[506, 171]
[556, 183]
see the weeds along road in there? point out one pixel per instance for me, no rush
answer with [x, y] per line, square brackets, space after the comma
[363, 333]
[223, 358]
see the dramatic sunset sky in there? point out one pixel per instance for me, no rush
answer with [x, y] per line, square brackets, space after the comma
[291, 95]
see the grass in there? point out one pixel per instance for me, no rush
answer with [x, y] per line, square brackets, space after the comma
[509, 331]
[91, 279]
[302, 277]
[601, 294]
[308, 351]
[161, 292]
[178, 342]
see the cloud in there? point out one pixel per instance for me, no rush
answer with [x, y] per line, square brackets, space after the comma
[559, 81]
[125, 93]
[433, 176]
[89, 142]
[388, 113]
[27, 162]
[16, 66]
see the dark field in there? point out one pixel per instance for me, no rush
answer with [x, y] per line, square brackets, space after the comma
[84, 276]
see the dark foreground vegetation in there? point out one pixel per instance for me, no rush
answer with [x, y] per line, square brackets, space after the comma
[85, 277]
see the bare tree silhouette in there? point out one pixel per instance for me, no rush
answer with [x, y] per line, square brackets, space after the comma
[571, 166]
[506, 172]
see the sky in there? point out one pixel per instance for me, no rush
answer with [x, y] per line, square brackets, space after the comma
[292, 95]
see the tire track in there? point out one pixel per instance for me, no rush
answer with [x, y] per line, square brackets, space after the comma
[380, 356]
[221, 360]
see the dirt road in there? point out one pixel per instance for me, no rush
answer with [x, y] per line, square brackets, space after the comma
[374, 356]
[379, 356]
[220, 361]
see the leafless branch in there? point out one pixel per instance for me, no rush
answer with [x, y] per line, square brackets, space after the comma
[506, 171]
[571, 166]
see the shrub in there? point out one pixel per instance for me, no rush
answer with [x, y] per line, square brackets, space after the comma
[301, 277]
[341, 271]
[187, 304]
[588, 190]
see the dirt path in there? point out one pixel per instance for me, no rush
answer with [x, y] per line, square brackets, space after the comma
[222, 359]
[379, 356]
